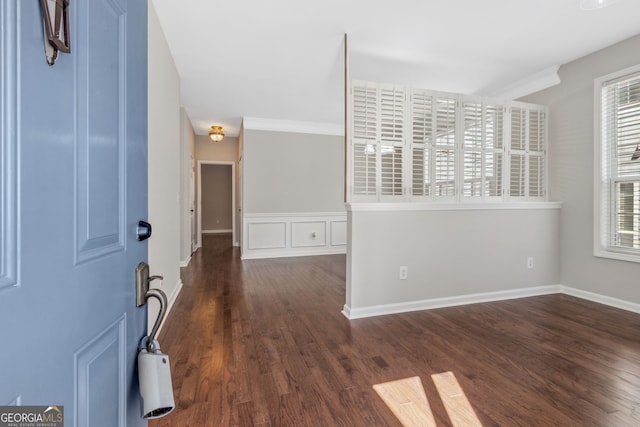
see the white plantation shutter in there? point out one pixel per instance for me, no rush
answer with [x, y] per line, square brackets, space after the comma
[365, 135]
[365, 113]
[517, 175]
[482, 149]
[364, 168]
[517, 167]
[391, 170]
[421, 143]
[392, 103]
[527, 170]
[494, 145]
[536, 175]
[472, 185]
[444, 172]
[378, 139]
[392, 114]
[537, 139]
[444, 147]
[620, 163]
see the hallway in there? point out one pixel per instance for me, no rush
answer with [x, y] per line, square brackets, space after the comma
[239, 342]
[263, 342]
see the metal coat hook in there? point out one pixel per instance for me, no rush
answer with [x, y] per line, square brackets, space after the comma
[55, 15]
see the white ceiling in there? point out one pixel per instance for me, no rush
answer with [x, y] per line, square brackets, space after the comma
[284, 59]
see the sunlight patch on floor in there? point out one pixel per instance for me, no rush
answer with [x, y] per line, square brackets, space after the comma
[455, 401]
[408, 401]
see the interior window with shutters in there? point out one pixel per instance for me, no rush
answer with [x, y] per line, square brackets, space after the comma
[527, 157]
[391, 140]
[365, 140]
[517, 157]
[494, 145]
[445, 147]
[378, 140]
[482, 149]
[420, 145]
[433, 145]
[618, 163]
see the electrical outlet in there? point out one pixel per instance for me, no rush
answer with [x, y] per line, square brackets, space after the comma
[530, 262]
[404, 272]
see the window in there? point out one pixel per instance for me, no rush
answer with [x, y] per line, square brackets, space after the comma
[433, 147]
[378, 135]
[420, 145]
[617, 153]
[528, 153]
[483, 150]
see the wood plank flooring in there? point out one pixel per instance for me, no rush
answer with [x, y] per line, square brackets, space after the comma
[263, 342]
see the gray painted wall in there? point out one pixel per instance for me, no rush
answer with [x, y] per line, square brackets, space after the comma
[187, 166]
[448, 253]
[164, 164]
[292, 172]
[224, 151]
[571, 172]
[216, 197]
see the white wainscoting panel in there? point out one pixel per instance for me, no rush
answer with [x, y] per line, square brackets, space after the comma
[267, 235]
[293, 234]
[308, 233]
[338, 232]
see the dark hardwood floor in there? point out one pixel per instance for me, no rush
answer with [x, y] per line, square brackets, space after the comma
[263, 342]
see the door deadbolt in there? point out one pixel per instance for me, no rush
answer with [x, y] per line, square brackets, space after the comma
[143, 230]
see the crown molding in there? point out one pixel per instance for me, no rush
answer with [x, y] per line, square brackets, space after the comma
[293, 126]
[531, 84]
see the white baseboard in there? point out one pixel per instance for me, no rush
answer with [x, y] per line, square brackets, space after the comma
[601, 299]
[186, 262]
[171, 300]
[379, 310]
[291, 253]
[217, 231]
[403, 307]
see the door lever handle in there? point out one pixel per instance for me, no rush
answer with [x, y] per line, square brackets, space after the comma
[142, 283]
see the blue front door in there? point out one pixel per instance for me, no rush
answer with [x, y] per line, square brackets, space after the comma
[73, 185]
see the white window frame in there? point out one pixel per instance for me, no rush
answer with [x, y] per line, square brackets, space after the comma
[604, 193]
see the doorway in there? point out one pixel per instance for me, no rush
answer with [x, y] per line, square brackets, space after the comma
[216, 198]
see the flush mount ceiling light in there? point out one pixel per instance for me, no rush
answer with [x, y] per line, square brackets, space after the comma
[595, 4]
[216, 133]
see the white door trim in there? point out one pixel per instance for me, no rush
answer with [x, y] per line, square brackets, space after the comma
[233, 196]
